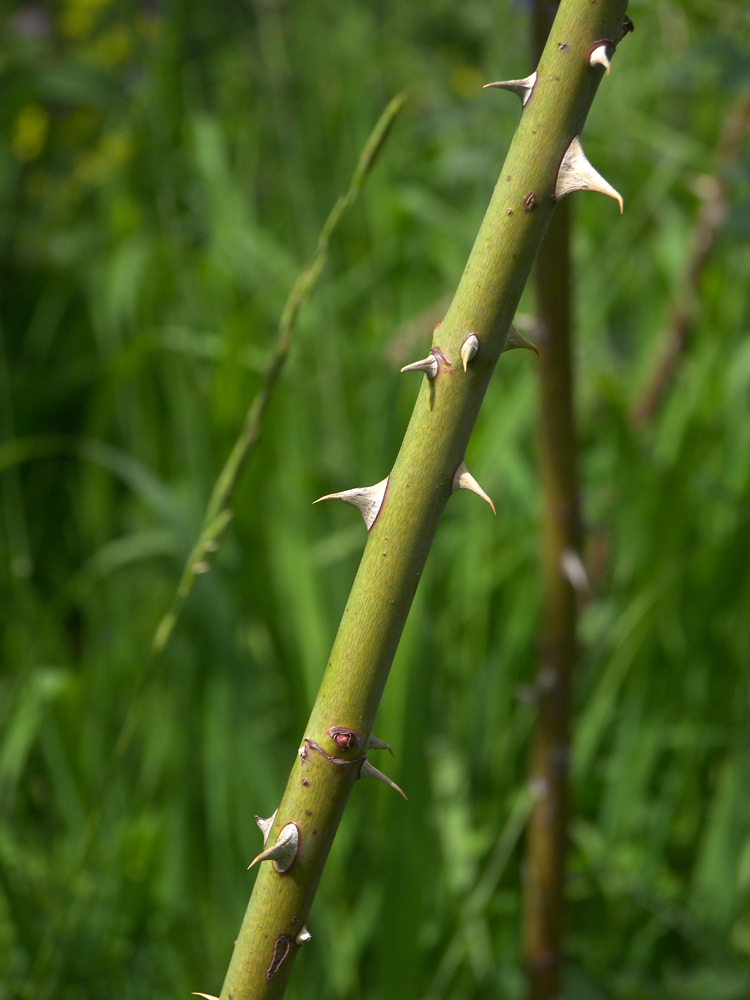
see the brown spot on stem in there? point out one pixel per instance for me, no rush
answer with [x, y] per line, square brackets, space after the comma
[563, 46]
[281, 947]
[530, 201]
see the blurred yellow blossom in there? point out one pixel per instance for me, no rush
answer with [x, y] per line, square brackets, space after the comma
[78, 19]
[113, 46]
[30, 131]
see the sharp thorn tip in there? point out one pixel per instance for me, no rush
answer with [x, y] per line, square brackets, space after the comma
[368, 771]
[283, 852]
[428, 365]
[373, 743]
[600, 57]
[469, 349]
[265, 825]
[367, 499]
[517, 340]
[463, 480]
[576, 174]
[524, 88]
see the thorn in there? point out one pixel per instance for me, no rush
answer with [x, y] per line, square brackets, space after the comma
[573, 569]
[463, 480]
[304, 935]
[367, 499]
[368, 771]
[208, 996]
[524, 88]
[283, 852]
[469, 349]
[577, 174]
[428, 365]
[599, 56]
[539, 788]
[373, 743]
[516, 339]
[265, 825]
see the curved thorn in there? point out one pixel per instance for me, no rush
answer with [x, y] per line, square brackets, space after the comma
[265, 825]
[283, 852]
[572, 567]
[428, 365]
[373, 743]
[469, 349]
[577, 174]
[368, 771]
[367, 499]
[463, 480]
[627, 25]
[523, 88]
[599, 56]
[304, 935]
[517, 340]
[208, 996]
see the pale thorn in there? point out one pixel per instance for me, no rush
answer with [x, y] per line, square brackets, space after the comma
[373, 743]
[368, 771]
[599, 57]
[367, 499]
[574, 571]
[469, 349]
[539, 788]
[208, 996]
[428, 365]
[304, 935]
[523, 87]
[577, 174]
[463, 480]
[283, 852]
[265, 825]
[517, 340]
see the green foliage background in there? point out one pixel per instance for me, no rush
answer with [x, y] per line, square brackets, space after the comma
[165, 170]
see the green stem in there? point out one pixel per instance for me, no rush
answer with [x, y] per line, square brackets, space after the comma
[419, 486]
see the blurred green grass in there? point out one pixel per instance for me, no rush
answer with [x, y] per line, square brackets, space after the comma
[164, 174]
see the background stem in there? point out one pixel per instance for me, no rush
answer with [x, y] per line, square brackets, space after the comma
[544, 890]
